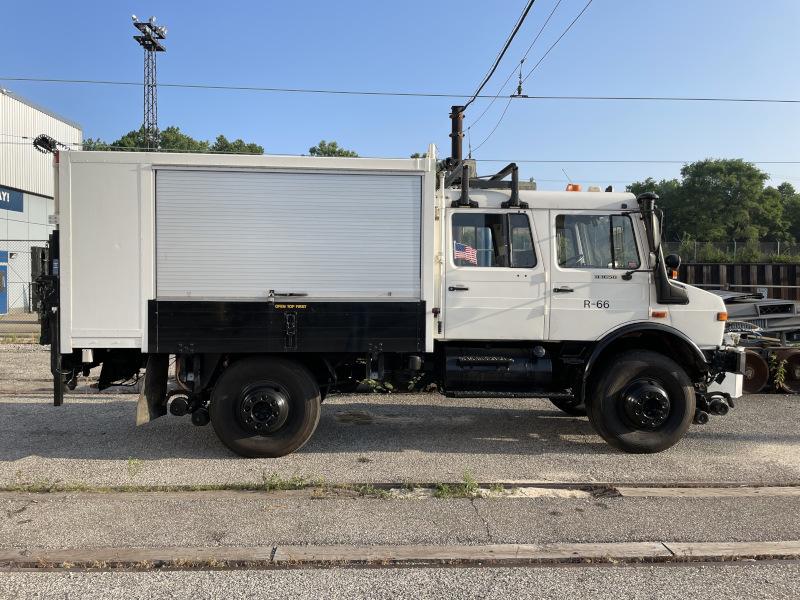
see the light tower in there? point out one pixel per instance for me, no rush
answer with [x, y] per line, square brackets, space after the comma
[149, 38]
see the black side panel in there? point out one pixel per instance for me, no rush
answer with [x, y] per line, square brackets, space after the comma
[212, 326]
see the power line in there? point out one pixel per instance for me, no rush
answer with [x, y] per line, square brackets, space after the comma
[496, 125]
[502, 53]
[514, 70]
[521, 81]
[554, 44]
[203, 86]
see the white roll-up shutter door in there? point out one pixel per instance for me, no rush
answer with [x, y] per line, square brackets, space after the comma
[238, 235]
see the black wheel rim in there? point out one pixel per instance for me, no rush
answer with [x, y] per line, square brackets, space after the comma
[263, 408]
[645, 404]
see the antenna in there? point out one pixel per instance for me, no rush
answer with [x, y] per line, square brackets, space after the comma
[149, 38]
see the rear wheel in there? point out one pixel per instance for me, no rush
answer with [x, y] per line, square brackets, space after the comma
[265, 407]
[641, 402]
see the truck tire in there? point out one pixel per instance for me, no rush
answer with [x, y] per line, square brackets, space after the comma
[265, 407]
[574, 407]
[641, 402]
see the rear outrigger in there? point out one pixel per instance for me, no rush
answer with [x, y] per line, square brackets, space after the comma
[275, 281]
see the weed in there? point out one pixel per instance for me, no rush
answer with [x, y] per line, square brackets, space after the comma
[443, 491]
[497, 488]
[370, 491]
[778, 371]
[134, 467]
[273, 482]
[383, 387]
[469, 488]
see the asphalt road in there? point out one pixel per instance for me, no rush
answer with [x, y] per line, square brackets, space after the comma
[93, 439]
[699, 582]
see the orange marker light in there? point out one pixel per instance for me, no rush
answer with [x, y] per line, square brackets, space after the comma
[658, 314]
[722, 316]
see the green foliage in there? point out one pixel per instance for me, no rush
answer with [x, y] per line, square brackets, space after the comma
[172, 139]
[418, 155]
[778, 369]
[711, 254]
[330, 149]
[469, 488]
[723, 200]
[750, 253]
[237, 146]
[376, 386]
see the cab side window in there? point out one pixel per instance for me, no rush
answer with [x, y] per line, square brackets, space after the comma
[522, 254]
[596, 242]
[492, 240]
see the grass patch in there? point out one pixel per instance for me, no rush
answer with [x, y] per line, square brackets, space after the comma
[134, 467]
[274, 482]
[468, 488]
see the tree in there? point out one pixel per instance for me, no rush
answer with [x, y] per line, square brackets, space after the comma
[173, 139]
[720, 200]
[791, 208]
[330, 149]
[418, 155]
[237, 146]
[670, 200]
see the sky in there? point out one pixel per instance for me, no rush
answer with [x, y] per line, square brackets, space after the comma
[735, 48]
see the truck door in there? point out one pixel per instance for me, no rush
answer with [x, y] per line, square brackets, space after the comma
[591, 253]
[494, 280]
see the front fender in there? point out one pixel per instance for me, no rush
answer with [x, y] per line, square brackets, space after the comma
[680, 347]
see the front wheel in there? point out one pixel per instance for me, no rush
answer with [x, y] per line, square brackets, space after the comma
[265, 407]
[571, 406]
[642, 402]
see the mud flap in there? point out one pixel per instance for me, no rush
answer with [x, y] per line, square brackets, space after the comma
[153, 397]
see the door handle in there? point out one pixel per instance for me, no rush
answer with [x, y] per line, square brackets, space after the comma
[563, 290]
[457, 288]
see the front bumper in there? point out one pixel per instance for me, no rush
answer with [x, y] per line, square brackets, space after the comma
[726, 370]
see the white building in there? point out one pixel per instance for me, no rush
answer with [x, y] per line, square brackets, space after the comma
[26, 191]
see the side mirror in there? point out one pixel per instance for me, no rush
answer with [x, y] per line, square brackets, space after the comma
[673, 261]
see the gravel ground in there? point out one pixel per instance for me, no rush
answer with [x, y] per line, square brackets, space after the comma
[699, 582]
[210, 519]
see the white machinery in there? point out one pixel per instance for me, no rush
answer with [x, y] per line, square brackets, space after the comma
[275, 281]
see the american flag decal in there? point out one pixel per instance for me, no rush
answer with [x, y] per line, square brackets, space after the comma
[464, 252]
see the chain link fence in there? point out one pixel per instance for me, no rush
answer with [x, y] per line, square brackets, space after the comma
[753, 251]
[20, 262]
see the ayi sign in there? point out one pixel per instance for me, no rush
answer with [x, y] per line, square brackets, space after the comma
[11, 200]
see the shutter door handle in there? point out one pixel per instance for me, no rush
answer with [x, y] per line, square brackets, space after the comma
[563, 290]
[457, 288]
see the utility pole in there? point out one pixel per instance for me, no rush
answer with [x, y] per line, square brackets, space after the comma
[149, 38]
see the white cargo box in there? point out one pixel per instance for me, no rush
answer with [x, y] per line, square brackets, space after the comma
[144, 226]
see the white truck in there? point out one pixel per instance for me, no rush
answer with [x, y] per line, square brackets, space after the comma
[274, 281]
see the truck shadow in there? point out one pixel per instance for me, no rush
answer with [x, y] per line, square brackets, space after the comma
[97, 428]
[105, 430]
